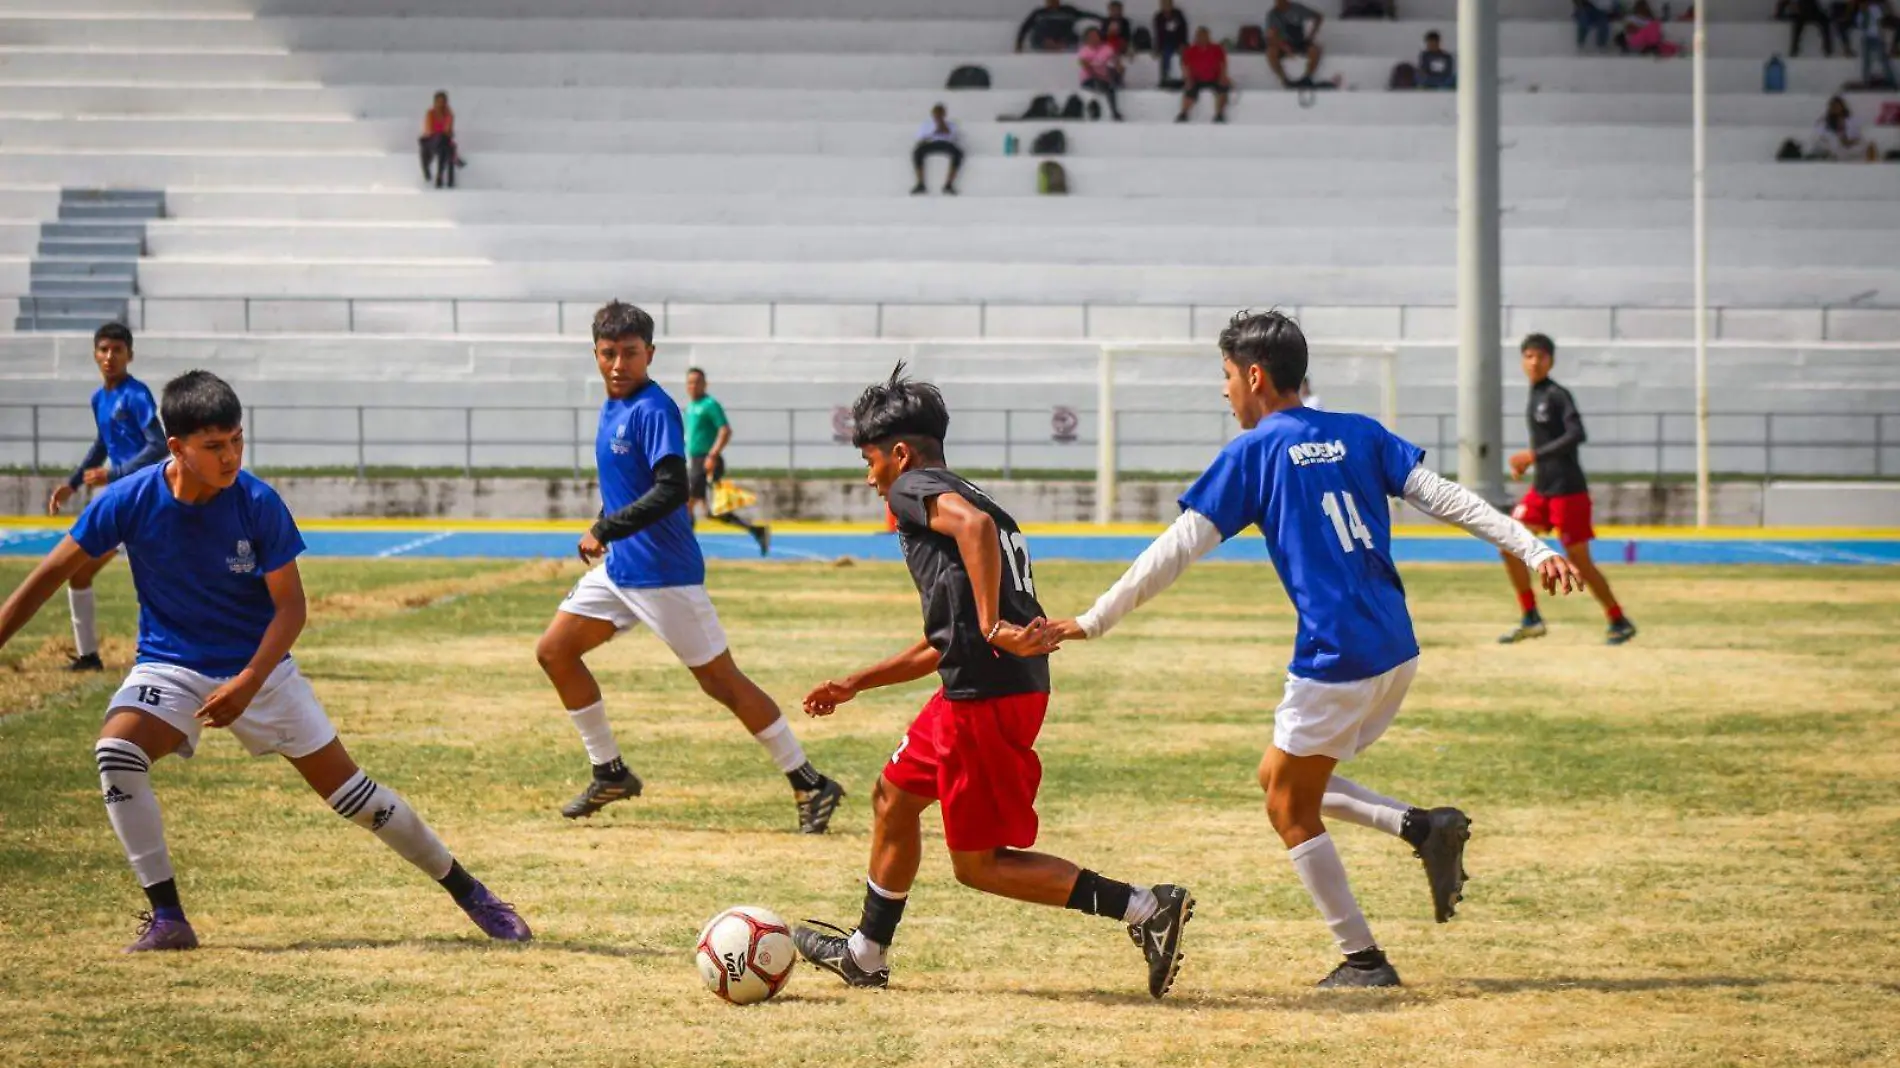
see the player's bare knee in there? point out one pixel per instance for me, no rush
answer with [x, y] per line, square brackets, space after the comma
[976, 870]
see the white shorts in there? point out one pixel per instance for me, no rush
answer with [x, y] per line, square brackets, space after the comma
[285, 717]
[1339, 719]
[682, 616]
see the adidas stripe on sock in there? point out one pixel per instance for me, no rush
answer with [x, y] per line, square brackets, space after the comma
[125, 783]
[384, 813]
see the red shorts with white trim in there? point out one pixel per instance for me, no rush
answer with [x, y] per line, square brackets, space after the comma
[978, 759]
[1568, 513]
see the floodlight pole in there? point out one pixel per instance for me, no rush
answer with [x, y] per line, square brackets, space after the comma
[1480, 334]
[1700, 195]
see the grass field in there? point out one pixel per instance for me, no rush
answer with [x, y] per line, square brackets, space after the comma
[1686, 851]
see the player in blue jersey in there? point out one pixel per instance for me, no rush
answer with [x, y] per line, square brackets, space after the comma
[129, 438]
[214, 559]
[653, 575]
[1316, 484]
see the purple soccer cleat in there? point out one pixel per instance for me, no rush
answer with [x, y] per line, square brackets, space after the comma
[158, 933]
[497, 918]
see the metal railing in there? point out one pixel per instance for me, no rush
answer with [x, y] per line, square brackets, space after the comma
[45, 438]
[344, 314]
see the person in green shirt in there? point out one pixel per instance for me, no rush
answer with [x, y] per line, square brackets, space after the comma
[707, 434]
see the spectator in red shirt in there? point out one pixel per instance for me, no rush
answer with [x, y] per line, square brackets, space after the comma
[438, 141]
[1204, 65]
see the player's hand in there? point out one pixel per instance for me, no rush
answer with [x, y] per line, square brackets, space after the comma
[825, 698]
[1032, 640]
[96, 477]
[228, 702]
[711, 465]
[61, 494]
[590, 548]
[1067, 630]
[1557, 572]
[1522, 462]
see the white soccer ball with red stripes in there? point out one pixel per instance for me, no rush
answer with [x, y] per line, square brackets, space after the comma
[746, 954]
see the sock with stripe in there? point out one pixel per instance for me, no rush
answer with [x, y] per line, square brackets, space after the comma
[383, 812]
[1527, 603]
[1101, 896]
[125, 781]
[85, 623]
[877, 926]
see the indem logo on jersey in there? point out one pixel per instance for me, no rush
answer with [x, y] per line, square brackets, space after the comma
[1316, 452]
[244, 562]
[621, 446]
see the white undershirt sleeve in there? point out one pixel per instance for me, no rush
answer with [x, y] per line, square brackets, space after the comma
[1454, 504]
[1190, 537]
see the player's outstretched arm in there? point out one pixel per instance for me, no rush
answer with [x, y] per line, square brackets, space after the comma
[1449, 502]
[229, 701]
[911, 664]
[60, 565]
[1191, 537]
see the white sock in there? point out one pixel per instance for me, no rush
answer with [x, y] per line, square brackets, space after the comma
[782, 744]
[869, 955]
[125, 779]
[1141, 906]
[1319, 867]
[384, 813]
[85, 625]
[596, 735]
[1349, 802]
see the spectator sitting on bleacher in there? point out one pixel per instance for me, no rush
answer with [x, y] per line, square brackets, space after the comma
[1642, 33]
[1171, 36]
[438, 141]
[1116, 27]
[1101, 68]
[1051, 27]
[937, 137]
[1837, 135]
[1593, 16]
[1293, 30]
[1204, 66]
[1437, 68]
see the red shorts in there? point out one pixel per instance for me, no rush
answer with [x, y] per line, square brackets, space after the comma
[978, 758]
[1569, 513]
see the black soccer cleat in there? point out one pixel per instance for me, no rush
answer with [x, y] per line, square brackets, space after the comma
[832, 952]
[600, 793]
[1620, 631]
[1160, 937]
[763, 535]
[1350, 976]
[816, 807]
[1443, 852]
[89, 662]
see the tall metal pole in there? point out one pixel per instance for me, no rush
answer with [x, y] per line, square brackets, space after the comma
[1480, 385]
[1701, 108]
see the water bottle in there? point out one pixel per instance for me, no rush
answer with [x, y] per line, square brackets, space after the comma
[1010, 144]
[1774, 76]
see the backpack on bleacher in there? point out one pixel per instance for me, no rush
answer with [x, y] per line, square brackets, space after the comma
[1042, 107]
[968, 77]
[1404, 76]
[1050, 143]
[1051, 179]
[1790, 150]
[1252, 39]
[1072, 107]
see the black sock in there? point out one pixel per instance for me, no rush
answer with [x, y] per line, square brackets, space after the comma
[805, 777]
[457, 882]
[1099, 896]
[879, 922]
[613, 769]
[1415, 828]
[1367, 958]
[164, 899]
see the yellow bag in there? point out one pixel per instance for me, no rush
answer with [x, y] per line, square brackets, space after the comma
[729, 496]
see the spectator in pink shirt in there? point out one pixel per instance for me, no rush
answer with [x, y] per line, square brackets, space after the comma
[1101, 68]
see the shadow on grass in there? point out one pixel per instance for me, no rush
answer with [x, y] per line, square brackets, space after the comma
[447, 944]
[1368, 1001]
[1636, 985]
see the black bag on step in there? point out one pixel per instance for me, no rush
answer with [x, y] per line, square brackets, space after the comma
[1049, 143]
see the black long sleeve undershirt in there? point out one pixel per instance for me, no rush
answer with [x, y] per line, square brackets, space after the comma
[667, 495]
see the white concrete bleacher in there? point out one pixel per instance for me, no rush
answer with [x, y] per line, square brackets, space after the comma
[752, 150]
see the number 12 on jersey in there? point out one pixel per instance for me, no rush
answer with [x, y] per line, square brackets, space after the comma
[1346, 521]
[1016, 555]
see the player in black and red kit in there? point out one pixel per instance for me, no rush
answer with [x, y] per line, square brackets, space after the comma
[972, 748]
[1559, 496]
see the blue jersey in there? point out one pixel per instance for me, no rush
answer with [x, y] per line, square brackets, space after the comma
[1316, 484]
[634, 435]
[198, 568]
[122, 413]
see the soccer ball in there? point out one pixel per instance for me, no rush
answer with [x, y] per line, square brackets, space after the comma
[746, 954]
